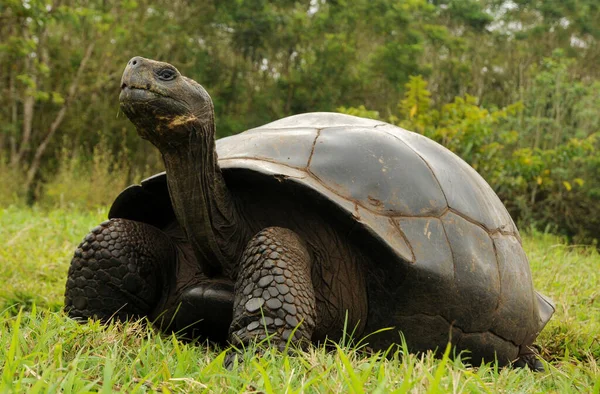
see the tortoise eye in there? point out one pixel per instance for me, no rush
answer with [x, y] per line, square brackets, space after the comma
[166, 74]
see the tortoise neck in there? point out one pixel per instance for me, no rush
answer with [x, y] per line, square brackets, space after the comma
[202, 203]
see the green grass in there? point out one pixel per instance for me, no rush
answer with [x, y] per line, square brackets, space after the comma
[43, 351]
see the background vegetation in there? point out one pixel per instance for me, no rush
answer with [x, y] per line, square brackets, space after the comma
[512, 86]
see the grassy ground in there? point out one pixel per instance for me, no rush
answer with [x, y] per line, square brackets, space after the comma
[43, 351]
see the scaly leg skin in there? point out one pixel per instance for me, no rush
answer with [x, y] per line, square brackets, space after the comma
[273, 292]
[119, 271]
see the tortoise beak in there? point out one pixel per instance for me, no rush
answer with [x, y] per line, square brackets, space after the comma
[137, 74]
[136, 82]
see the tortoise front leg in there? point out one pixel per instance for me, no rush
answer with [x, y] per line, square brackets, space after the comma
[118, 271]
[273, 292]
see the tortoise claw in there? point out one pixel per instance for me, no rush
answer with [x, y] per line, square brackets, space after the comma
[232, 359]
[529, 357]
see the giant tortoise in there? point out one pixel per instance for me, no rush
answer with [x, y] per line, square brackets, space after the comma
[302, 227]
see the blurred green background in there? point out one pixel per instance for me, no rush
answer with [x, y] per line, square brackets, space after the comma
[513, 87]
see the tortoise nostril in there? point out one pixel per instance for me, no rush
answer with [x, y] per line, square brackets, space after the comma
[135, 61]
[123, 85]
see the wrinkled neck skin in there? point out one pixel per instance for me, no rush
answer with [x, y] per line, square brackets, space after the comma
[202, 204]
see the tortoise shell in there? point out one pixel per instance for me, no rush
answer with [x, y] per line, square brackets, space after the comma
[459, 249]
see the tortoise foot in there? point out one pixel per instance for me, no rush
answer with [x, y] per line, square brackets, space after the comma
[529, 358]
[204, 311]
[232, 359]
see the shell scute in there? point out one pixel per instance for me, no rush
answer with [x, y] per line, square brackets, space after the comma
[476, 278]
[465, 190]
[292, 148]
[431, 279]
[515, 277]
[377, 171]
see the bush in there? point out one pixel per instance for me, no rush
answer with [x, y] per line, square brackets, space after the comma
[86, 182]
[12, 180]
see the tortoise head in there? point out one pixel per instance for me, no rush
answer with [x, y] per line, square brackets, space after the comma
[164, 105]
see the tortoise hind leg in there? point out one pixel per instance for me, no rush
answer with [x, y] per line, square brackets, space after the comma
[274, 293]
[118, 271]
[529, 357]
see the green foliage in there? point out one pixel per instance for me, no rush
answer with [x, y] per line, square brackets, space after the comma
[493, 80]
[416, 98]
[359, 111]
[41, 350]
[556, 188]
